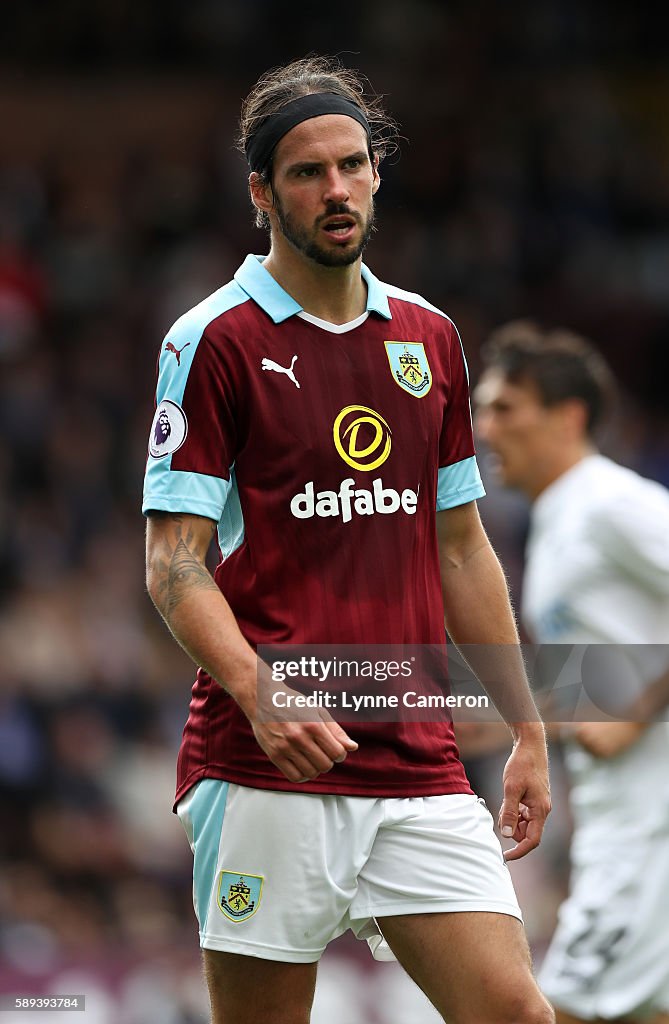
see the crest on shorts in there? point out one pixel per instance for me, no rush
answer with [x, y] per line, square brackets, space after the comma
[409, 366]
[239, 895]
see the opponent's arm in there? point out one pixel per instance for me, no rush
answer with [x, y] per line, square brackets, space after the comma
[651, 702]
[607, 739]
[634, 536]
[478, 613]
[201, 620]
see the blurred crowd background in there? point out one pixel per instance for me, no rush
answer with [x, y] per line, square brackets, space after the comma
[533, 181]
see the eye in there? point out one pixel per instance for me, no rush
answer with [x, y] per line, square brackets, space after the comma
[353, 163]
[307, 172]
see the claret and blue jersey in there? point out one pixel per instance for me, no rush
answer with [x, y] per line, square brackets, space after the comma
[322, 452]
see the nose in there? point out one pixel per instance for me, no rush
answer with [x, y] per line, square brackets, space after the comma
[336, 188]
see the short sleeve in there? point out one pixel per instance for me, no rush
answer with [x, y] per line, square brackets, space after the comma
[192, 441]
[459, 480]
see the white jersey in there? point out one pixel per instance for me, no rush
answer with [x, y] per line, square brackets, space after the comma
[597, 572]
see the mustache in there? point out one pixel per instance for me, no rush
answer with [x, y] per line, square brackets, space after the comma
[338, 210]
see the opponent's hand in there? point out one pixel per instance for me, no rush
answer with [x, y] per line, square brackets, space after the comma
[302, 742]
[527, 798]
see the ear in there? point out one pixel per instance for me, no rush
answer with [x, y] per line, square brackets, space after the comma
[260, 192]
[573, 414]
[376, 179]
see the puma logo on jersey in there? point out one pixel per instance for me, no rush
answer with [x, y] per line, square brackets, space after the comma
[177, 351]
[269, 364]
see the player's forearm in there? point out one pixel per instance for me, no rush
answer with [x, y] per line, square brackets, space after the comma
[480, 621]
[194, 609]
[206, 629]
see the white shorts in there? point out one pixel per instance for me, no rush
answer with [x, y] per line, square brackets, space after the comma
[279, 875]
[609, 957]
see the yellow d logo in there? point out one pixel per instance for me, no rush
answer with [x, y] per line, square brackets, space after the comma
[376, 437]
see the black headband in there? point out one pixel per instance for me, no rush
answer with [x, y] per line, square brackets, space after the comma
[260, 145]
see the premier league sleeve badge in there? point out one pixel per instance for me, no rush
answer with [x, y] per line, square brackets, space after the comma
[168, 430]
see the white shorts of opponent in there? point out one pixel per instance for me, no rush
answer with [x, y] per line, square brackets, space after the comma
[279, 875]
[609, 957]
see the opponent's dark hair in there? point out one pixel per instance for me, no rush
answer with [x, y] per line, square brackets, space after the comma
[561, 366]
[315, 74]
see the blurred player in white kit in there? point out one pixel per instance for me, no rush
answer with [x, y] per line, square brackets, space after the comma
[597, 572]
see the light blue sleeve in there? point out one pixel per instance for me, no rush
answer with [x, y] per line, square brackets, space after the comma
[165, 489]
[458, 484]
[195, 493]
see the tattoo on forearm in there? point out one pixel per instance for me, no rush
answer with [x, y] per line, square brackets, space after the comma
[179, 570]
[185, 574]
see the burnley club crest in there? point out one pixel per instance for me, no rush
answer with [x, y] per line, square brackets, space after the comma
[409, 366]
[239, 895]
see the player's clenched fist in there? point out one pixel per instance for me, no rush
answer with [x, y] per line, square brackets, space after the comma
[301, 742]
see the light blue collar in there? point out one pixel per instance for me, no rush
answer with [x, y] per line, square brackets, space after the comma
[259, 284]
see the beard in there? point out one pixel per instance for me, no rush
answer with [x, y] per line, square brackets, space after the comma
[303, 241]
